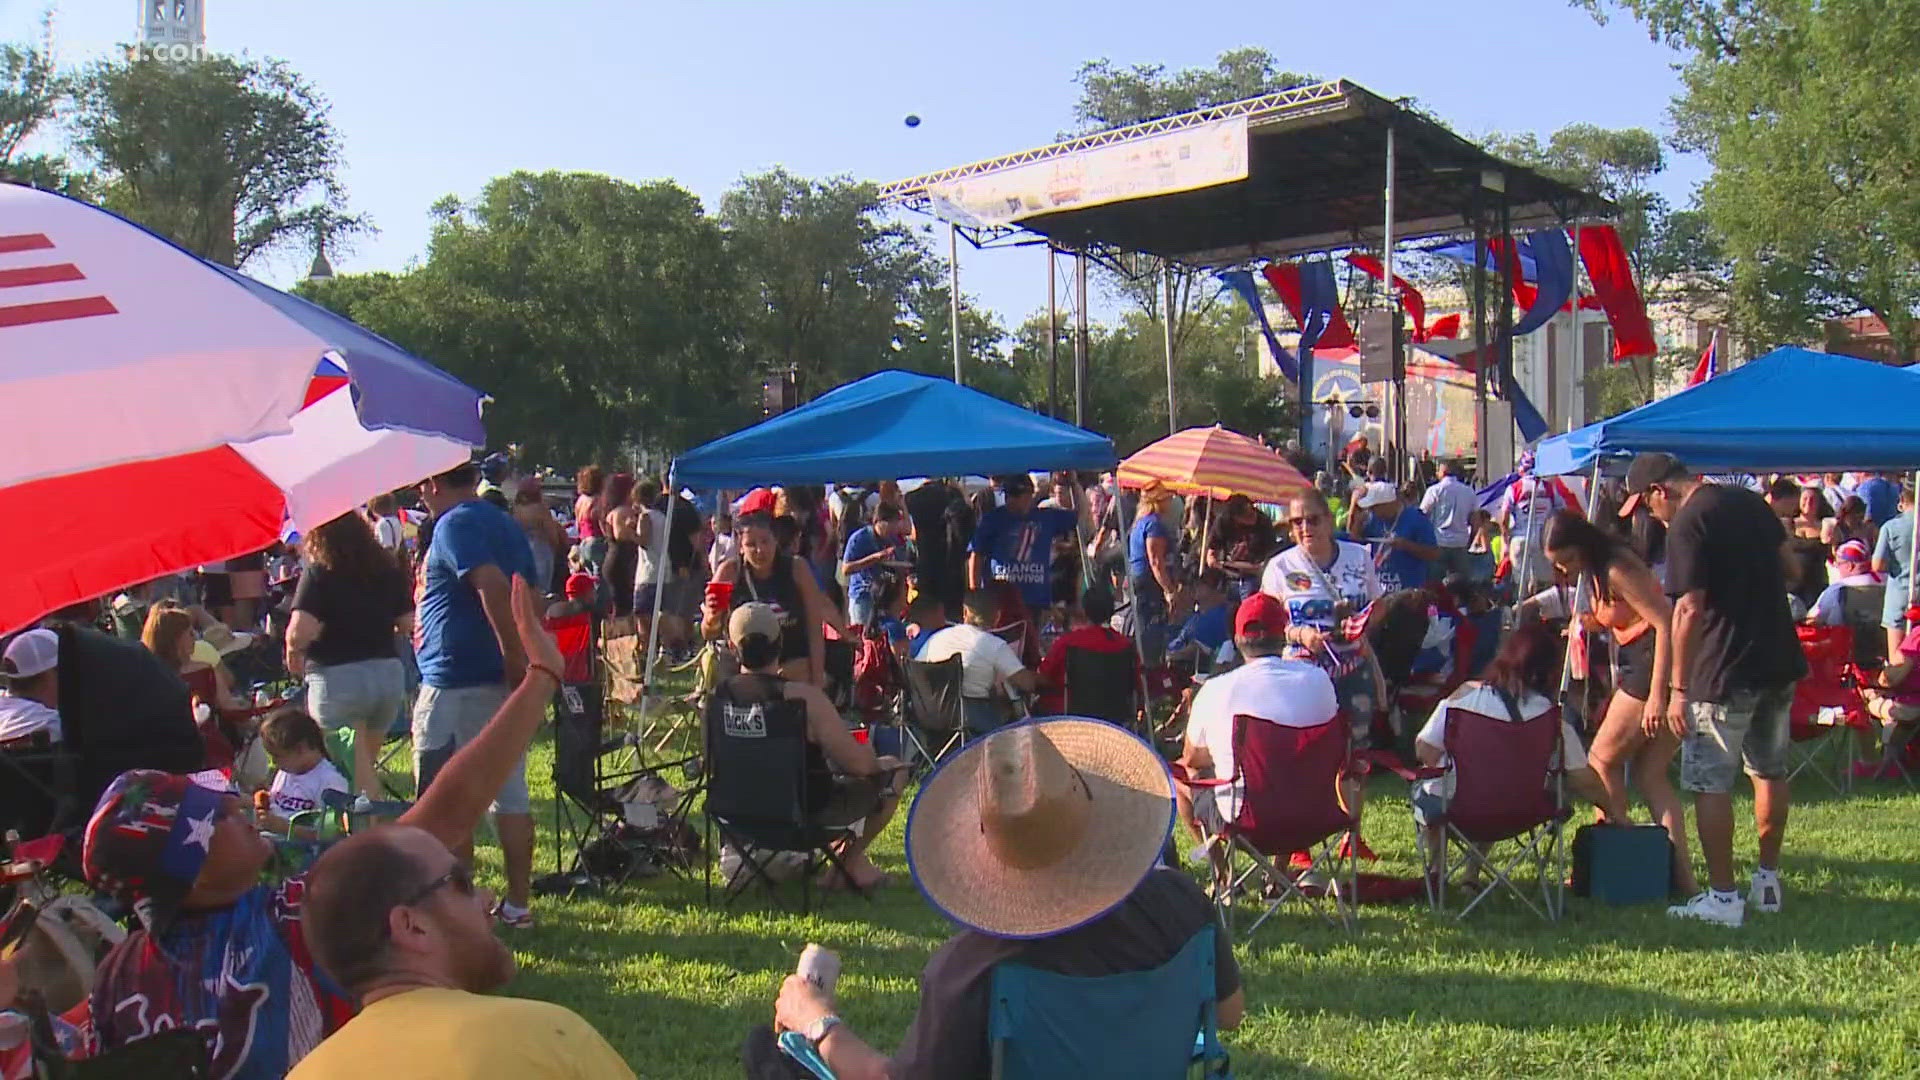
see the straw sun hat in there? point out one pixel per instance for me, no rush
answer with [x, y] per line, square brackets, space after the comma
[1040, 827]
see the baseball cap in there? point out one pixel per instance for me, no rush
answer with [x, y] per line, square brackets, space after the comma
[1652, 468]
[1377, 493]
[149, 835]
[1260, 616]
[30, 654]
[750, 619]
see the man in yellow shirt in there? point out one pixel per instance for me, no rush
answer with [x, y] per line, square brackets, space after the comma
[396, 920]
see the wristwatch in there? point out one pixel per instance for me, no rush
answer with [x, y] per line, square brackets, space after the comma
[817, 1031]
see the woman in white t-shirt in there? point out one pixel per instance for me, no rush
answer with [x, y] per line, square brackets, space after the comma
[1324, 582]
[1513, 688]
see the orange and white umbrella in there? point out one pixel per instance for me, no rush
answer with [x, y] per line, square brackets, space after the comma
[1214, 462]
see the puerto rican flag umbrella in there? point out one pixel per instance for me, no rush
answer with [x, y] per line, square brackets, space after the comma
[158, 411]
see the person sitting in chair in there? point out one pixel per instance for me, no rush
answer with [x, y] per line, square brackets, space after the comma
[926, 616]
[1090, 631]
[848, 784]
[988, 665]
[31, 668]
[1040, 841]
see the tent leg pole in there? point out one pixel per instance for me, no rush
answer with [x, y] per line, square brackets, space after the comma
[1913, 550]
[1166, 329]
[953, 288]
[661, 571]
[1082, 345]
[1479, 272]
[1053, 337]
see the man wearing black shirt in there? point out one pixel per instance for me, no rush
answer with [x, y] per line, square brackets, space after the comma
[1735, 660]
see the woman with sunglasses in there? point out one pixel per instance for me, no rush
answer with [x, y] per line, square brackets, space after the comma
[1323, 581]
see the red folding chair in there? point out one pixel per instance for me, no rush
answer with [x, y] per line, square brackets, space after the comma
[1827, 707]
[1509, 786]
[1289, 780]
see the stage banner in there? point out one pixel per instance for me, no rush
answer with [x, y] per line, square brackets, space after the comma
[1195, 157]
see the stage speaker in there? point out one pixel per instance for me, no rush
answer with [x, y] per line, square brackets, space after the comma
[1379, 333]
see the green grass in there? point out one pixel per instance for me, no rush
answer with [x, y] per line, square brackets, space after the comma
[1831, 986]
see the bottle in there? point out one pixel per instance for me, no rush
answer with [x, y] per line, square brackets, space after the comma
[820, 967]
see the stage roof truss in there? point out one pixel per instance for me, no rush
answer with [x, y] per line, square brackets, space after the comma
[1315, 183]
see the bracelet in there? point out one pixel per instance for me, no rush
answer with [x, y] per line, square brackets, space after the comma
[533, 666]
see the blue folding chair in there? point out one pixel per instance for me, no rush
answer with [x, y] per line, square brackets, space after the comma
[1157, 1024]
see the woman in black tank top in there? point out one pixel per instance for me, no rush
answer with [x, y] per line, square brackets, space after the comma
[761, 573]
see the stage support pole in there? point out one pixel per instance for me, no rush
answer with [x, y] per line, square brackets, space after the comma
[1053, 337]
[1506, 303]
[1397, 386]
[1479, 271]
[1166, 329]
[953, 287]
[1576, 388]
[1082, 345]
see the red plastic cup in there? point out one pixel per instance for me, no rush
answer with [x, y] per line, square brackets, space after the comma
[720, 594]
[860, 735]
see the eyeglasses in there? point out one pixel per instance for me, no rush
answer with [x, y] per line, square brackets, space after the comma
[459, 876]
[1311, 519]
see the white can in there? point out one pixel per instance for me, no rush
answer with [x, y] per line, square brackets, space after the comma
[819, 966]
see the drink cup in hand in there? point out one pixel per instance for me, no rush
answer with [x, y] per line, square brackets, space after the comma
[820, 967]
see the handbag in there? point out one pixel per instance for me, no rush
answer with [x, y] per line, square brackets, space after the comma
[1623, 864]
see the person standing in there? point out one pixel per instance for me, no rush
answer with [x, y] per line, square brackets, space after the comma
[1402, 536]
[470, 655]
[1735, 661]
[589, 525]
[863, 564]
[348, 609]
[383, 513]
[546, 538]
[1450, 504]
[1153, 567]
[1014, 543]
[619, 519]
[1522, 517]
[1880, 495]
[1893, 556]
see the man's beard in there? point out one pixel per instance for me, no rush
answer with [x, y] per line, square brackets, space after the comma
[486, 964]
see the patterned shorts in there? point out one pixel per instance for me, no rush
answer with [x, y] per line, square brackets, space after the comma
[1751, 725]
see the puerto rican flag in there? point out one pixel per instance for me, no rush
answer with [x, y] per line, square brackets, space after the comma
[1709, 364]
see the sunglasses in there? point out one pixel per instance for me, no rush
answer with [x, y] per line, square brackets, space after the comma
[1311, 519]
[459, 876]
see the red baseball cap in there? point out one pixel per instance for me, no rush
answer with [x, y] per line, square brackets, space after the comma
[1260, 616]
[757, 501]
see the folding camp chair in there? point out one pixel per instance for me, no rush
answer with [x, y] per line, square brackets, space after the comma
[1860, 610]
[757, 799]
[1509, 786]
[39, 787]
[936, 713]
[613, 812]
[1289, 782]
[1828, 712]
[1103, 685]
[1041, 1024]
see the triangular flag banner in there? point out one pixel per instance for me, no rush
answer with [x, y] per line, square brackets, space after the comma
[1612, 277]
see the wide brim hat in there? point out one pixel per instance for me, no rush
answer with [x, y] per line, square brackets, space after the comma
[1130, 816]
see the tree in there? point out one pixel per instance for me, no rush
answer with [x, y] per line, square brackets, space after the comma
[229, 157]
[30, 96]
[829, 283]
[601, 315]
[1808, 112]
[1113, 97]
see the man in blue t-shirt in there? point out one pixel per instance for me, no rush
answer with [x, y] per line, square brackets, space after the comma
[470, 654]
[863, 563]
[1881, 497]
[1403, 539]
[1014, 543]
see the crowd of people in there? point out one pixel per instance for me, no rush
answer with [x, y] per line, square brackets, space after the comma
[1044, 846]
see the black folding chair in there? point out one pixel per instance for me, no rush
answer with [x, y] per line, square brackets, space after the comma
[39, 787]
[936, 713]
[1860, 609]
[1103, 685]
[757, 799]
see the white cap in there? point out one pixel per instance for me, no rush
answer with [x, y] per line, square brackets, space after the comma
[30, 654]
[1378, 493]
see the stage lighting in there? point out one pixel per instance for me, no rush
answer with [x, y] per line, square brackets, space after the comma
[1355, 411]
[913, 120]
[1373, 412]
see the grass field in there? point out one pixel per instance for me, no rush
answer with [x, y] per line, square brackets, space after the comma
[1828, 987]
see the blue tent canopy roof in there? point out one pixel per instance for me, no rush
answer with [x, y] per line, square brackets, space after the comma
[888, 425]
[1792, 410]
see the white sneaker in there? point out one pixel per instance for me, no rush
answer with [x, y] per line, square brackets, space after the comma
[1708, 908]
[1764, 894]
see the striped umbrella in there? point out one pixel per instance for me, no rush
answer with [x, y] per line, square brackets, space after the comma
[1214, 462]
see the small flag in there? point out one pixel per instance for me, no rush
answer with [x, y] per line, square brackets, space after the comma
[1709, 364]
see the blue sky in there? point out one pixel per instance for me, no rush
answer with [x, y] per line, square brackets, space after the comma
[435, 97]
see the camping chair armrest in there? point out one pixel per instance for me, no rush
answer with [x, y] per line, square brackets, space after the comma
[1181, 774]
[1391, 762]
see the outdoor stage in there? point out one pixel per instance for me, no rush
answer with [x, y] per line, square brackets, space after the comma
[1315, 170]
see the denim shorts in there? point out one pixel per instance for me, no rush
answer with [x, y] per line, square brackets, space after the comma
[365, 695]
[446, 720]
[1751, 725]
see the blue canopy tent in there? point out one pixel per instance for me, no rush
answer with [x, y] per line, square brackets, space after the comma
[1792, 410]
[888, 425]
